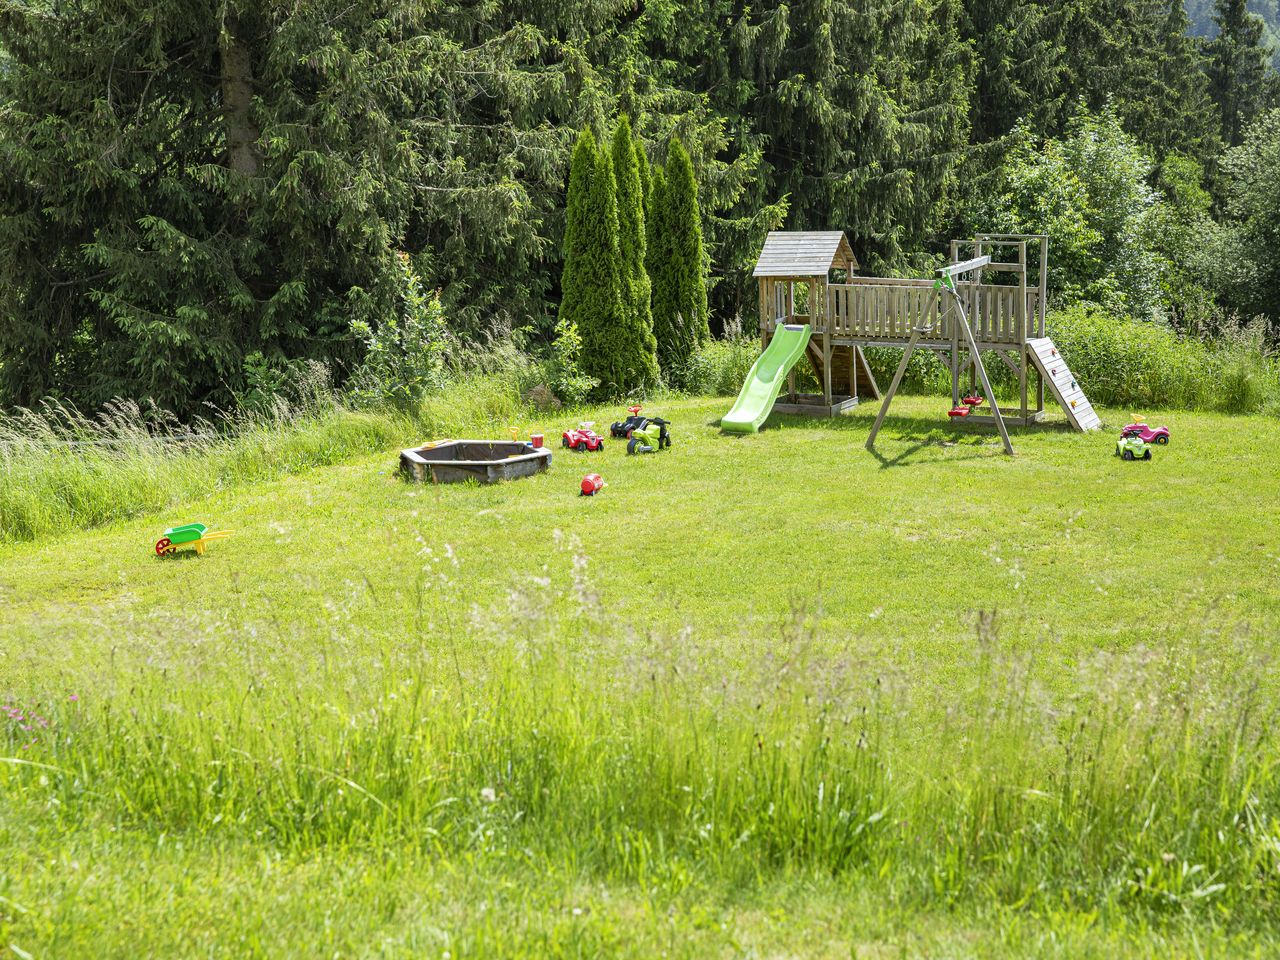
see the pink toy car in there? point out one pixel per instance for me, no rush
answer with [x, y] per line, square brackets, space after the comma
[1148, 434]
[582, 439]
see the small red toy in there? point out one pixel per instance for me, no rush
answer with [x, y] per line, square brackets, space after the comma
[960, 411]
[582, 439]
[592, 483]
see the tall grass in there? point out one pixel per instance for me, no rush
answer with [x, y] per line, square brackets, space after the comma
[548, 731]
[1127, 363]
[63, 470]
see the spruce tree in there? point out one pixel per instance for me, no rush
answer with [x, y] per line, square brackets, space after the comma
[680, 283]
[1018, 54]
[1237, 68]
[864, 104]
[227, 178]
[1185, 117]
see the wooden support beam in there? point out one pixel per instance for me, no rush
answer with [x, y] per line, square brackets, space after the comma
[986, 384]
[924, 326]
[1009, 362]
[965, 266]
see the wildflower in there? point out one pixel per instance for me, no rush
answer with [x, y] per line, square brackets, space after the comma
[489, 795]
[74, 697]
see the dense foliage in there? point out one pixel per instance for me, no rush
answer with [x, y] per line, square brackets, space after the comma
[189, 209]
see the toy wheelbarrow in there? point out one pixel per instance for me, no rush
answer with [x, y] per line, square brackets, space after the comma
[188, 535]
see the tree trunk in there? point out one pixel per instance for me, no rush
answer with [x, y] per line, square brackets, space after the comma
[237, 98]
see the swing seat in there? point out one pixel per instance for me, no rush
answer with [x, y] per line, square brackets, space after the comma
[973, 400]
[959, 411]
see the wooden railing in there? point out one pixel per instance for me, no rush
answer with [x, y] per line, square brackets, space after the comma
[887, 310]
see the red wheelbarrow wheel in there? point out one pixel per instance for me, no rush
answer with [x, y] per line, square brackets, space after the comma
[162, 546]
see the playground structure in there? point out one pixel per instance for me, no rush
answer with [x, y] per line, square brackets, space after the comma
[958, 316]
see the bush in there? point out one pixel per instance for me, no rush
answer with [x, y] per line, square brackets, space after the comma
[405, 353]
[719, 367]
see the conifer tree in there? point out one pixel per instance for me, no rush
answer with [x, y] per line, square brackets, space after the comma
[631, 227]
[1237, 68]
[232, 178]
[657, 253]
[576, 276]
[646, 185]
[864, 104]
[1018, 53]
[616, 351]
[680, 283]
[1184, 119]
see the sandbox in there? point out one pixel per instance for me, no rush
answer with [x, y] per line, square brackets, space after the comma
[486, 461]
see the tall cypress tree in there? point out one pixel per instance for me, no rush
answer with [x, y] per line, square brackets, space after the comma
[1237, 68]
[680, 283]
[646, 186]
[576, 278]
[657, 253]
[631, 229]
[616, 350]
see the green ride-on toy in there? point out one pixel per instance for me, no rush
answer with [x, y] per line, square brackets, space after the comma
[1131, 446]
[649, 438]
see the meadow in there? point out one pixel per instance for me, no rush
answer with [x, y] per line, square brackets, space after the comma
[764, 696]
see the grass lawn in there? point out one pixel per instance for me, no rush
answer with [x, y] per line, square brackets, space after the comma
[770, 695]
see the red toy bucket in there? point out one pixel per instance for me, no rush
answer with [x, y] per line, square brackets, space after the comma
[591, 483]
[536, 439]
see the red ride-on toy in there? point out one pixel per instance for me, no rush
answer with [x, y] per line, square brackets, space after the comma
[583, 438]
[1148, 434]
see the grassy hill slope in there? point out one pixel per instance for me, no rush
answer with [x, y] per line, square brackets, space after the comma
[769, 694]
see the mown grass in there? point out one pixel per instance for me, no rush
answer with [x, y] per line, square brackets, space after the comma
[67, 471]
[753, 698]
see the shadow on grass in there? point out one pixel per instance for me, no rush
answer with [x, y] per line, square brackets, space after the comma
[920, 432]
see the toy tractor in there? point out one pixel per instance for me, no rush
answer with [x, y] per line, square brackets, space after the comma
[650, 437]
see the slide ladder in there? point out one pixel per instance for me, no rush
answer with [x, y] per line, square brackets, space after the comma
[1062, 383]
[766, 378]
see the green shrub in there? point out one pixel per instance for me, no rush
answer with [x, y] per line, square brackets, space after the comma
[405, 353]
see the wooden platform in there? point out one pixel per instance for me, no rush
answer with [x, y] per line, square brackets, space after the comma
[814, 405]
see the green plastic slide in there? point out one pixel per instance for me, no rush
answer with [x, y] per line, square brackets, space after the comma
[765, 380]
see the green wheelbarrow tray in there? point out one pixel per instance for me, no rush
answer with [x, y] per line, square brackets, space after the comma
[186, 533]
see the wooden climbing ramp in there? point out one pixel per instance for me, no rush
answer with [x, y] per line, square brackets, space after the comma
[1062, 383]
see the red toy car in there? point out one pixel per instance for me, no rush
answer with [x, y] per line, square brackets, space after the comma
[1148, 434]
[582, 439]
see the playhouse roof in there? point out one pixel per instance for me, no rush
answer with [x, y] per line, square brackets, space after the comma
[804, 253]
